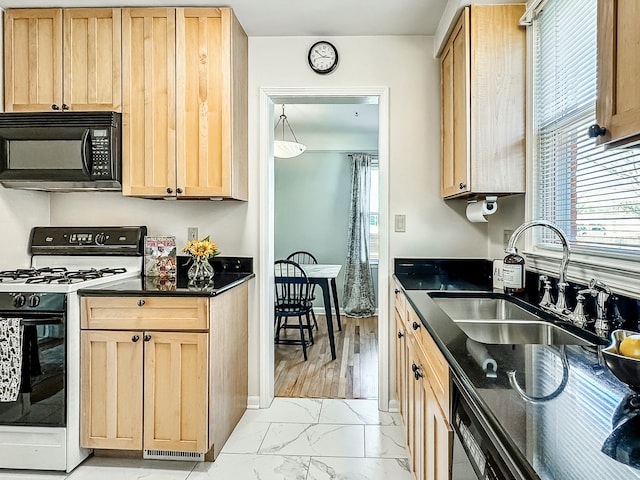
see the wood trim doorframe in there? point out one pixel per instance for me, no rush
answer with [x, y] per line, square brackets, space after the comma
[266, 231]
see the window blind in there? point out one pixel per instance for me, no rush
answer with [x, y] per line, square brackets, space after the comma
[591, 193]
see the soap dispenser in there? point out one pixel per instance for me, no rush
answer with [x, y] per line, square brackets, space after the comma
[513, 273]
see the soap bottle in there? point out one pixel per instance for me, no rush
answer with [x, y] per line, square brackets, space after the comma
[513, 273]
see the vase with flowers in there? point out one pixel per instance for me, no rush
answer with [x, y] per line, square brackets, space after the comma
[200, 272]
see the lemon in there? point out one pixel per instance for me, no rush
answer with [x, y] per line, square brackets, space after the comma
[630, 346]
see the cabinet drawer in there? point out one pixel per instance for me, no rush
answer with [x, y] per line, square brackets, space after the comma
[145, 313]
[436, 366]
[399, 300]
[438, 374]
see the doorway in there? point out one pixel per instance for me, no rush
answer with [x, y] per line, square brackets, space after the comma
[313, 194]
[270, 101]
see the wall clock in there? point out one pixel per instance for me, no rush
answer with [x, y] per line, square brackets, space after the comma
[323, 57]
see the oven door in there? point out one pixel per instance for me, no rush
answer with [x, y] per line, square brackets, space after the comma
[42, 397]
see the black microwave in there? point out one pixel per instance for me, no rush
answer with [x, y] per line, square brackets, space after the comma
[61, 151]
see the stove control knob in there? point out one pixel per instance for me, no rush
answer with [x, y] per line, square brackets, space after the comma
[19, 300]
[100, 239]
[34, 300]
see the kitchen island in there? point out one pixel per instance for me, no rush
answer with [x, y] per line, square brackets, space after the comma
[559, 430]
[164, 365]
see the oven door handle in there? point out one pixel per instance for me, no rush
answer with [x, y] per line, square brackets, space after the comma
[41, 321]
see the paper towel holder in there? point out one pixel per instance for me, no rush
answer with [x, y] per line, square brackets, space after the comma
[478, 208]
[491, 200]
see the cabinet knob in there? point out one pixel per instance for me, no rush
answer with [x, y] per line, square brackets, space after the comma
[396, 291]
[65, 106]
[141, 303]
[169, 190]
[414, 367]
[55, 107]
[462, 186]
[415, 325]
[135, 338]
[147, 338]
[418, 374]
[178, 190]
[596, 130]
[400, 334]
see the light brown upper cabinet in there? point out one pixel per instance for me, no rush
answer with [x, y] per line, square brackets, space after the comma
[618, 101]
[482, 68]
[184, 103]
[62, 59]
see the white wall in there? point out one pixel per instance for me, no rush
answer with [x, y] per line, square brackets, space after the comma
[312, 196]
[510, 215]
[19, 211]
[403, 63]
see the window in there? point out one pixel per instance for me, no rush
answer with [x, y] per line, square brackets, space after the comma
[591, 193]
[374, 216]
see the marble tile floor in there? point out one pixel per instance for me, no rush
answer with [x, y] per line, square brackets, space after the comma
[294, 439]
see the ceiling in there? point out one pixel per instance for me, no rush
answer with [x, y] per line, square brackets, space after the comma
[327, 118]
[298, 17]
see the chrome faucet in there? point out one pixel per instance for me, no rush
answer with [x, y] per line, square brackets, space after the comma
[601, 294]
[561, 304]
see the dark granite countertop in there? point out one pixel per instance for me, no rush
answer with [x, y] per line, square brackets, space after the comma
[560, 438]
[229, 272]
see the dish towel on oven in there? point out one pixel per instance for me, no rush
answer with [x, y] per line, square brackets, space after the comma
[10, 358]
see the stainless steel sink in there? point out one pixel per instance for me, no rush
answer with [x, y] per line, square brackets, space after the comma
[483, 308]
[494, 319]
[518, 332]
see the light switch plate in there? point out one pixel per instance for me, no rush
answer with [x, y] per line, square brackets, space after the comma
[506, 236]
[400, 223]
[192, 233]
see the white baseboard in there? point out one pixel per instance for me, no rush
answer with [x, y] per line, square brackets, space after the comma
[253, 402]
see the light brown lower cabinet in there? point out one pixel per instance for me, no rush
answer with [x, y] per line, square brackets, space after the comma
[179, 387]
[145, 390]
[422, 387]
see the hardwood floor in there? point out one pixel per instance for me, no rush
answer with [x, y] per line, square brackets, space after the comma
[353, 374]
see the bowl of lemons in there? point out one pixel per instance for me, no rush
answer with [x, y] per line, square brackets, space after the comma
[622, 357]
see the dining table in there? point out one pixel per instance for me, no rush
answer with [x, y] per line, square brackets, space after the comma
[324, 275]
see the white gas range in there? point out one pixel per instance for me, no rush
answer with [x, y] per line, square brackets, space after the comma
[40, 425]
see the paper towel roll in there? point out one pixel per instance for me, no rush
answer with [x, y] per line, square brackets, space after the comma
[480, 354]
[476, 211]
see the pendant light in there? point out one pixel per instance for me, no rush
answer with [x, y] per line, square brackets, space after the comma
[283, 148]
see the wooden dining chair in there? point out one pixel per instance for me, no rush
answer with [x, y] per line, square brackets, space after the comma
[305, 258]
[292, 299]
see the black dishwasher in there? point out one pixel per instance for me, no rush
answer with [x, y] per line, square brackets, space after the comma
[474, 453]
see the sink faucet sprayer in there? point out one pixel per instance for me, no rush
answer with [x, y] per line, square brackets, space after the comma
[513, 269]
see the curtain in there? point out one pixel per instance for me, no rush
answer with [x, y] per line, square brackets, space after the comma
[358, 294]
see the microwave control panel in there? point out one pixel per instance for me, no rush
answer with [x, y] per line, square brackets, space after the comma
[100, 154]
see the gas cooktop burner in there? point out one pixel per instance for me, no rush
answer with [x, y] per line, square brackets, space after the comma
[55, 275]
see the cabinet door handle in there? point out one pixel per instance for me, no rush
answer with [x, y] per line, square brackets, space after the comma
[414, 367]
[415, 325]
[417, 374]
[596, 130]
[169, 190]
[400, 334]
[65, 106]
[55, 107]
[396, 291]
[141, 303]
[178, 190]
[135, 338]
[462, 186]
[146, 338]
